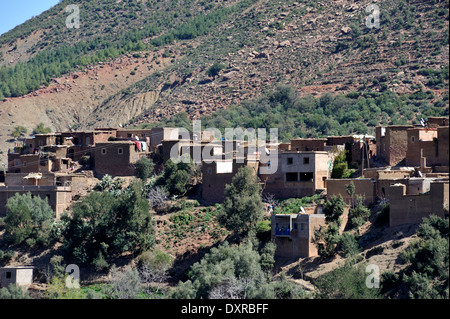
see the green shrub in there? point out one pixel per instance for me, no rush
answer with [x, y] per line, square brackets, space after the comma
[349, 245]
[28, 218]
[243, 206]
[346, 282]
[144, 168]
[100, 262]
[214, 70]
[13, 292]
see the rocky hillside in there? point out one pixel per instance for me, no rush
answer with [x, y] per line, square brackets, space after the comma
[133, 62]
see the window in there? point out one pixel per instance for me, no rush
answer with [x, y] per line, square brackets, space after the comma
[306, 160]
[88, 140]
[291, 177]
[24, 164]
[103, 151]
[302, 226]
[8, 275]
[413, 139]
[306, 177]
[295, 226]
[290, 160]
[120, 151]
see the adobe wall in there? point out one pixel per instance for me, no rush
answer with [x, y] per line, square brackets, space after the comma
[435, 121]
[443, 145]
[160, 134]
[58, 197]
[339, 140]
[11, 179]
[396, 144]
[411, 209]
[318, 164]
[113, 163]
[213, 183]
[392, 147]
[363, 186]
[422, 141]
[299, 243]
[308, 144]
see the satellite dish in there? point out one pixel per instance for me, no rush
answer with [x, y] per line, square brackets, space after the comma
[302, 210]
[419, 173]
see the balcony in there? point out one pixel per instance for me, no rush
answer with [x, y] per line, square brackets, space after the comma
[283, 232]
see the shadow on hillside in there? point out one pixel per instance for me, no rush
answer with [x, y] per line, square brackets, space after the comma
[380, 232]
[180, 268]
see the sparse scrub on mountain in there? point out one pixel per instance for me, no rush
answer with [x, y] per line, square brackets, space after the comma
[25, 77]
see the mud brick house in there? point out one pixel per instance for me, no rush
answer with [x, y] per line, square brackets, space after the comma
[117, 158]
[153, 136]
[51, 158]
[428, 147]
[392, 144]
[407, 208]
[80, 143]
[298, 174]
[422, 141]
[196, 150]
[217, 174]
[293, 233]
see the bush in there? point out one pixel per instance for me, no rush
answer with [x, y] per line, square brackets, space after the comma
[214, 70]
[28, 218]
[349, 245]
[156, 259]
[327, 238]
[224, 265]
[144, 168]
[427, 275]
[108, 223]
[243, 206]
[359, 213]
[177, 177]
[347, 282]
[267, 260]
[41, 129]
[5, 257]
[100, 262]
[263, 229]
[340, 166]
[157, 197]
[13, 292]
